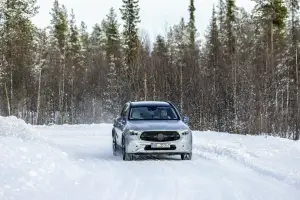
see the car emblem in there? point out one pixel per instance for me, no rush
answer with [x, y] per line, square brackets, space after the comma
[160, 137]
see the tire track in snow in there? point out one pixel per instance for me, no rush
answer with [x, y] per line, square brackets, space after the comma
[204, 177]
[213, 151]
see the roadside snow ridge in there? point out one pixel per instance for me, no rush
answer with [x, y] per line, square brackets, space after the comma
[76, 162]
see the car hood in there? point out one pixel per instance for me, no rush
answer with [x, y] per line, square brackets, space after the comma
[159, 125]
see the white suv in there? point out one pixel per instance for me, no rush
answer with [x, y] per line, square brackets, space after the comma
[151, 127]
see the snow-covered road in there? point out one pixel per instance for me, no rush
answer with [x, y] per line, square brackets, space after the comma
[76, 163]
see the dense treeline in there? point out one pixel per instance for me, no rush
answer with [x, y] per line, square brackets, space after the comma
[243, 78]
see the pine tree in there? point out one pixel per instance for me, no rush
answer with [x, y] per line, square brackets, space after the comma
[224, 93]
[111, 92]
[213, 72]
[160, 89]
[96, 38]
[96, 76]
[182, 42]
[40, 66]
[231, 75]
[76, 70]
[84, 36]
[272, 15]
[293, 87]
[243, 78]
[59, 33]
[110, 28]
[192, 26]
[221, 16]
[60, 26]
[112, 49]
[130, 15]
[17, 44]
[193, 60]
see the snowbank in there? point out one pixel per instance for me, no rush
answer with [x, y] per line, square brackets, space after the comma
[74, 130]
[274, 157]
[14, 127]
[76, 162]
[75, 127]
[28, 163]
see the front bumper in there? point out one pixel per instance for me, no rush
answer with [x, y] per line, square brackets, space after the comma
[134, 145]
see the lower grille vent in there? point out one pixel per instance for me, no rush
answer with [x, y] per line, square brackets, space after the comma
[160, 136]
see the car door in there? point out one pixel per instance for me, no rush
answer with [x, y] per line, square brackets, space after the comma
[120, 124]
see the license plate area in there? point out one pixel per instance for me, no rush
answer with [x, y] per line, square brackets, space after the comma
[160, 145]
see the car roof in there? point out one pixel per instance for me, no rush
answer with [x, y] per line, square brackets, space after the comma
[149, 103]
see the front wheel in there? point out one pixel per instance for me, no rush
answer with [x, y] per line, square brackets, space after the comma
[114, 146]
[126, 156]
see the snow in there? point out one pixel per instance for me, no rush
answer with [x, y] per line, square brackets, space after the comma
[13, 127]
[76, 162]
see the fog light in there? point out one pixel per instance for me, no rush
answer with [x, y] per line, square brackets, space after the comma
[185, 133]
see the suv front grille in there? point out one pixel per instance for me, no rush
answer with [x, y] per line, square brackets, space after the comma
[160, 136]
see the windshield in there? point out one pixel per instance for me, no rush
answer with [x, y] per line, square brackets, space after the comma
[153, 113]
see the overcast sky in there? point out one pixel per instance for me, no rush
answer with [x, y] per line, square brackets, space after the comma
[155, 14]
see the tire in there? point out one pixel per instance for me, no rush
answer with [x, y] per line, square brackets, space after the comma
[186, 156]
[126, 156]
[115, 147]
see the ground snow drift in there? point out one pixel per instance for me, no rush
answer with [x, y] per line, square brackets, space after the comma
[14, 127]
[29, 167]
[275, 157]
[76, 162]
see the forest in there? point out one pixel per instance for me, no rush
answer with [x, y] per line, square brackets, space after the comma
[243, 78]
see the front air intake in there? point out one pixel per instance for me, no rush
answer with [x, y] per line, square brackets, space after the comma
[160, 136]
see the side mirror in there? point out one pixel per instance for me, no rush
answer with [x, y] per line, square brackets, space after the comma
[186, 119]
[123, 120]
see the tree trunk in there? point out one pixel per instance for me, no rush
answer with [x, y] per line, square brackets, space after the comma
[287, 103]
[63, 93]
[235, 96]
[296, 137]
[181, 88]
[7, 98]
[72, 102]
[11, 92]
[39, 98]
[94, 109]
[145, 86]
[272, 73]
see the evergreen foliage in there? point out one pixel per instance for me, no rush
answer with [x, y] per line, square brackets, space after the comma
[242, 78]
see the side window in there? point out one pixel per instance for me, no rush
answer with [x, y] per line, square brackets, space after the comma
[124, 111]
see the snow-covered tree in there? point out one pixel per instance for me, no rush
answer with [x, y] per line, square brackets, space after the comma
[17, 33]
[59, 36]
[76, 70]
[243, 77]
[111, 95]
[131, 44]
[130, 15]
[192, 24]
[112, 49]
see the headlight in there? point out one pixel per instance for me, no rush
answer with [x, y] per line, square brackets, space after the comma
[185, 132]
[132, 132]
